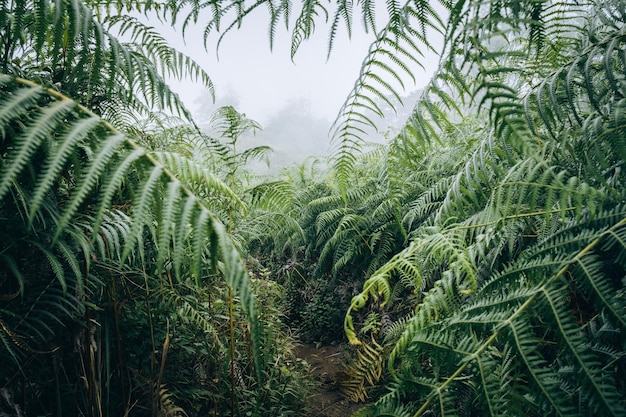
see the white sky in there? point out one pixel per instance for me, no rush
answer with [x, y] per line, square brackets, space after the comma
[266, 81]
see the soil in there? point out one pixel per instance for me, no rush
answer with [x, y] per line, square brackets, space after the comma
[326, 400]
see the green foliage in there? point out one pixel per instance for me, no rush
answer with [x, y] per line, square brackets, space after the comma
[62, 170]
[509, 259]
[487, 237]
[483, 228]
[321, 315]
[74, 48]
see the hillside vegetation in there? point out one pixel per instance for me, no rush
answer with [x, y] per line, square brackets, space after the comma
[475, 262]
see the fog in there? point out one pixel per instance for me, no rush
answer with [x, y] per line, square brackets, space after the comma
[294, 101]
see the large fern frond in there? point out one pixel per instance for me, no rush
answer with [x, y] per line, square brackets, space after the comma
[393, 55]
[66, 46]
[48, 139]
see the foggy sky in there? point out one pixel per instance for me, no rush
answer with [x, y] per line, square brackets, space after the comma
[262, 80]
[296, 102]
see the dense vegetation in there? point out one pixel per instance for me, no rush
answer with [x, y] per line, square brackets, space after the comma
[476, 262]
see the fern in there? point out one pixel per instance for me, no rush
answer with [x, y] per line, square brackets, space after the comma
[83, 56]
[201, 180]
[509, 235]
[363, 371]
[104, 150]
[525, 198]
[498, 319]
[395, 45]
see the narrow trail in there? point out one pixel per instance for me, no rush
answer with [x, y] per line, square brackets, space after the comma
[325, 362]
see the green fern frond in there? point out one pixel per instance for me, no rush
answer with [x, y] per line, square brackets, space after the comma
[349, 225]
[88, 180]
[282, 229]
[260, 153]
[84, 58]
[55, 164]
[590, 269]
[113, 182]
[198, 178]
[343, 12]
[532, 185]
[597, 386]
[273, 195]
[388, 408]
[171, 62]
[368, 15]
[371, 84]
[53, 261]
[39, 129]
[141, 210]
[325, 221]
[427, 204]
[189, 311]
[158, 204]
[304, 26]
[509, 314]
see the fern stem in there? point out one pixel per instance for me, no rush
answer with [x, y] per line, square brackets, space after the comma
[232, 349]
[511, 217]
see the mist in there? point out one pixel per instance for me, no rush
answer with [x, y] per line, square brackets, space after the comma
[295, 132]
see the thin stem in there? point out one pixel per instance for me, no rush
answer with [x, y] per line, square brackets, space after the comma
[232, 349]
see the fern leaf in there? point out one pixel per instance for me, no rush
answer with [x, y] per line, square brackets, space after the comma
[38, 130]
[88, 181]
[140, 210]
[363, 371]
[54, 263]
[55, 163]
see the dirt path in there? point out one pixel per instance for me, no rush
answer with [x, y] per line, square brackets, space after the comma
[326, 400]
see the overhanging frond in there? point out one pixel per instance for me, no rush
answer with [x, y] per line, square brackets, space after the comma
[160, 206]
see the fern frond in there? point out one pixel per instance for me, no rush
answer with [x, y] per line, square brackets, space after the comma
[363, 371]
[371, 85]
[87, 181]
[161, 209]
[498, 319]
[83, 57]
[343, 12]
[171, 62]
[56, 163]
[197, 178]
[39, 129]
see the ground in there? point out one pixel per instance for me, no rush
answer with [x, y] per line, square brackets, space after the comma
[326, 366]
